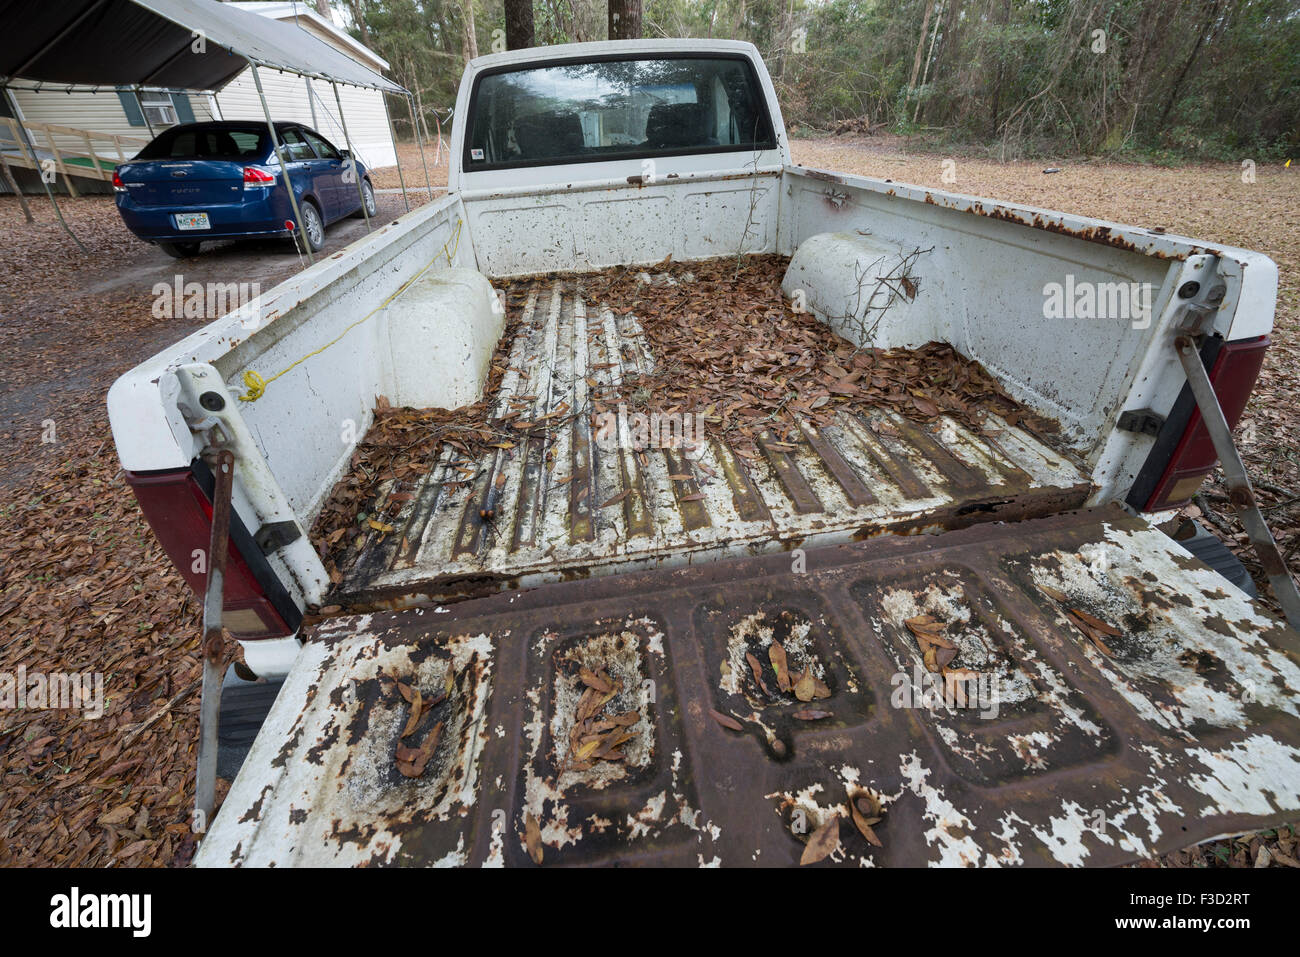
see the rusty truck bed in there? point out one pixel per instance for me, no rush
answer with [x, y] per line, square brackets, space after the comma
[563, 506]
[1186, 726]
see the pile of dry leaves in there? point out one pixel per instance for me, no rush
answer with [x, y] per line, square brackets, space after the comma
[411, 761]
[596, 736]
[939, 654]
[726, 342]
[727, 345]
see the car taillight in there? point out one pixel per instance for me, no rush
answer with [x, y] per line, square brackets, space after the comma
[1233, 371]
[118, 185]
[179, 511]
[254, 177]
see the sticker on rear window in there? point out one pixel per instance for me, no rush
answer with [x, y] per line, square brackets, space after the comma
[476, 154]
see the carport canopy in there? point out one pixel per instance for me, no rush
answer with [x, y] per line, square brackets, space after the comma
[174, 44]
[179, 44]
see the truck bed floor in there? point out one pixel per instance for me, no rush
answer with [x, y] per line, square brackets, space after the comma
[563, 505]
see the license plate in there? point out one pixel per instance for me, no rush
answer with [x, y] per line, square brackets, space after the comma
[192, 221]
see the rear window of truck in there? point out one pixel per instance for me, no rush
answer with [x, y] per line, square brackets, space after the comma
[615, 109]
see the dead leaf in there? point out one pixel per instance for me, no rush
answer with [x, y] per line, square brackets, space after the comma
[776, 654]
[810, 714]
[822, 842]
[413, 721]
[533, 838]
[726, 720]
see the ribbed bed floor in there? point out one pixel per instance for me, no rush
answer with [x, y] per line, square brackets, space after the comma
[564, 505]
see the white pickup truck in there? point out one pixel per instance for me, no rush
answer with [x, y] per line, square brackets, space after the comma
[864, 626]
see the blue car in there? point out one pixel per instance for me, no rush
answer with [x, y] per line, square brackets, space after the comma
[206, 181]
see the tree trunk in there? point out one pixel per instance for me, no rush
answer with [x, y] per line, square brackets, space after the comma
[471, 37]
[1212, 14]
[625, 19]
[925, 74]
[359, 19]
[519, 24]
[920, 45]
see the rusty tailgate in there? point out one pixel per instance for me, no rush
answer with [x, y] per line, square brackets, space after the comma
[1178, 723]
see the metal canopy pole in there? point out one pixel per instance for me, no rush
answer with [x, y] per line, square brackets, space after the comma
[36, 167]
[415, 125]
[284, 165]
[352, 156]
[13, 184]
[393, 133]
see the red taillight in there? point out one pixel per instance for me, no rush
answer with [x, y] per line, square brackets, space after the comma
[254, 177]
[1233, 374]
[180, 515]
[118, 185]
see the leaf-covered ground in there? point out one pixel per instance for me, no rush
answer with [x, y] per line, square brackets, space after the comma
[83, 586]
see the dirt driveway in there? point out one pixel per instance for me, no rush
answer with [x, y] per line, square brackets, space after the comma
[68, 318]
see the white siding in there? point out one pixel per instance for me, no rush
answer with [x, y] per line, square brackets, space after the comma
[100, 112]
[287, 97]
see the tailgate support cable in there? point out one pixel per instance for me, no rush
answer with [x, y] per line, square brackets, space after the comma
[1240, 493]
[211, 650]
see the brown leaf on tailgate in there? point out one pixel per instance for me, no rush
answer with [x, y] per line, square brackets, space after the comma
[757, 669]
[412, 762]
[805, 686]
[928, 632]
[776, 654]
[533, 838]
[599, 681]
[822, 842]
[810, 714]
[726, 720]
[866, 811]
[1097, 623]
[417, 710]
[1053, 594]
[1090, 632]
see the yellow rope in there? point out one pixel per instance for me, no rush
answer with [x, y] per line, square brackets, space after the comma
[256, 385]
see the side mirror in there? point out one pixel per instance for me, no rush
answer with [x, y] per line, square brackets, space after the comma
[346, 154]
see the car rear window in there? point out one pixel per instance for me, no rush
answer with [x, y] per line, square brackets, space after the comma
[190, 143]
[615, 109]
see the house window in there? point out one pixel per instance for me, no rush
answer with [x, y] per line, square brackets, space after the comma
[158, 108]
